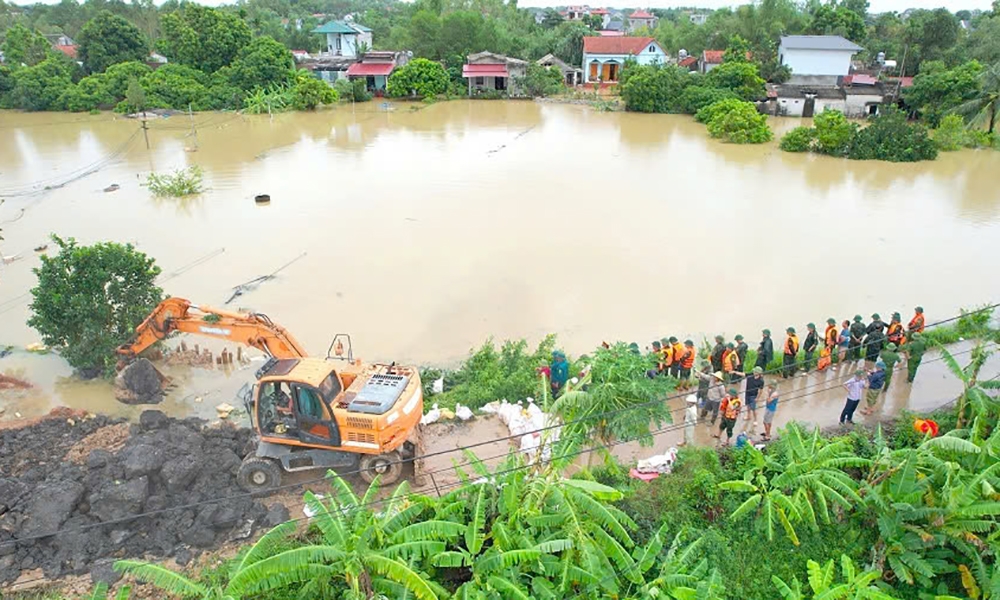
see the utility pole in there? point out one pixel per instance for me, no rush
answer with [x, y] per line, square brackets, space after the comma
[145, 129]
[194, 132]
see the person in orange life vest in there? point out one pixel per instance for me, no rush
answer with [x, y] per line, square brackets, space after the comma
[668, 356]
[791, 352]
[916, 324]
[824, 359]
[730, 363]
[895, 332]
[657, 354]
[687, 359]
[730, 410]
[677, 353]
[830, 341]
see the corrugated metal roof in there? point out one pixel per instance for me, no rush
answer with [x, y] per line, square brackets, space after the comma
[360, 69]
[335, 27]
[818, 42]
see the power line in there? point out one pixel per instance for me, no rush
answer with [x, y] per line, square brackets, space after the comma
[669, 428]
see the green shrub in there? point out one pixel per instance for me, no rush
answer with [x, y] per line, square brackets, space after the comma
[116, 77]
[654, 88]
[39, 87]
[834, 133]
[309, 92]
[696, 97]
[950, 133]
[176, 86]
[799, 139]
[742, 78]
[182, 182]
[262, 63]
[737, 122]
[889, 137]
[420, 77]
[90, 93]
[541, 81]
[89, 300]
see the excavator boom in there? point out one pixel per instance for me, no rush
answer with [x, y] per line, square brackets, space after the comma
[177, 314]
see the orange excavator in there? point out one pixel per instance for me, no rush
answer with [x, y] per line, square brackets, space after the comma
[308, 413]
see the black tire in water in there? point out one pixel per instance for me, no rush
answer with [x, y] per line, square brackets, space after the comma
[389, 466]
[258, 474]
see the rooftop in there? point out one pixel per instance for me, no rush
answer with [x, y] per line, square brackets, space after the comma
[616, 45]
[641, 14]
[713, 57]
[69, 50]
[818, 42]
[341, 27]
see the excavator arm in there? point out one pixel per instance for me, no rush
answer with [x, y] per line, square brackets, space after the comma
[177, 314]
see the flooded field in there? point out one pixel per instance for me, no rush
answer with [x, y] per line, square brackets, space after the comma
[427, 229]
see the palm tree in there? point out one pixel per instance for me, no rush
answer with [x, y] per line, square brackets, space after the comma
[975, 395]
[856, 586]
[983, 109]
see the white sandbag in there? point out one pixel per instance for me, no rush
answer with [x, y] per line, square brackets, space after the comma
[432, 416]
[438, 386]
[463, 412]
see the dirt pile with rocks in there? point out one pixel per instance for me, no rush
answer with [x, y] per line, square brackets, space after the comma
[163, 463]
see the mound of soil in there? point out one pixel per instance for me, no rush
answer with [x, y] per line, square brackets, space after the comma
[139, 383]
[163, 463]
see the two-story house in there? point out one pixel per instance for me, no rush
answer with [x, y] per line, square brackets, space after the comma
[817, 59]
[343, 38]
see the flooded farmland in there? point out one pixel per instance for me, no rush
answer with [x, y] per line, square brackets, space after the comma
[423, 230]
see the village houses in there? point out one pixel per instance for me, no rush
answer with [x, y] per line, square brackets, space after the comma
[345, 38]
[489, 72]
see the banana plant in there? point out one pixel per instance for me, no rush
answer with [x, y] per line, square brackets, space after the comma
[265, 567]
[798, 480]
[857, 585]
[975, 399]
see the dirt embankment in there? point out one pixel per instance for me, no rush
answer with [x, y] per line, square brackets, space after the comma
[86, 478]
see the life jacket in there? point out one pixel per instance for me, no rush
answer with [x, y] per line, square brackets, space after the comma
[831, 335]
[687, 361]
[895, 333]
[730, 407]
[732, 361]
[824, 359]
[792, 345]
[916, 323]
[668, 356]
[678, 352]
[727, 364]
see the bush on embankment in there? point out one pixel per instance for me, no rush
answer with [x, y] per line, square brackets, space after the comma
[887, 136]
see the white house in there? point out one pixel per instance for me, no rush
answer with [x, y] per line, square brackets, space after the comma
[604, 57]
[817, 59]
[344, 37]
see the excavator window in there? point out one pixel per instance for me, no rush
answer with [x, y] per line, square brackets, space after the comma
[274, 408]
[330, 388]
[308, 404]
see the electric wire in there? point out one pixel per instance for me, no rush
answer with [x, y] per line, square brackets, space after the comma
[661, 431]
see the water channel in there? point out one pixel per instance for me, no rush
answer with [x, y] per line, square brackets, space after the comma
[427, 229]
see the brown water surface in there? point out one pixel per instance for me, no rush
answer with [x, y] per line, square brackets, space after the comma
[427, 229]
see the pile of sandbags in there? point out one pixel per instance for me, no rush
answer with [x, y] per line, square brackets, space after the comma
[527, 423]
[660, 463]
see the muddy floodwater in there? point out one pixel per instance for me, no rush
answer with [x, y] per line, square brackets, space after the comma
[422, 230]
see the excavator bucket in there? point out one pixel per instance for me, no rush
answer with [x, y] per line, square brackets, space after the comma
[139, 382]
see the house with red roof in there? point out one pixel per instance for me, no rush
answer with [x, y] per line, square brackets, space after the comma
[641, 18]
[710, 59]
[375, 67]
[604, 57]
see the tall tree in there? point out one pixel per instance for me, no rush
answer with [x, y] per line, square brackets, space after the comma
[202, 37]
[108, 39]
[23, 46]
[261, 63]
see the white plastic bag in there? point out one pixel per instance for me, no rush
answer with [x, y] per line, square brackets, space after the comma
[432, 415]
[464, 413]
[438, 386]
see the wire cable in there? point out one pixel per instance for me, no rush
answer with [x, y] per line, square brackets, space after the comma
[661, 431]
